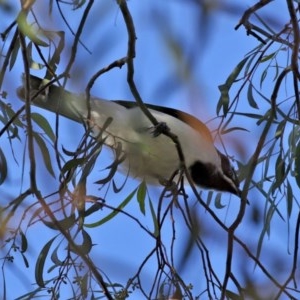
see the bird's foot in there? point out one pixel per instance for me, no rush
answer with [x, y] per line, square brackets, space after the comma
[159, 128]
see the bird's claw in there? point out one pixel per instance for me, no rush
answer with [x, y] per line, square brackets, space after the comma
[159, 129]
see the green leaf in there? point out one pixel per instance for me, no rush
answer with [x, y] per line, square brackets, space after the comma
[14, 54]
[14, 205]
[88, 167]
[28, 30]
[294, 136]
[224, 131]
[44, 125]
[9, 114]
[289, 199]
[86, 245]
[25, 260]
[65, 223]
[236, 71]
[263, 77]
[114, 213]
[280, 129]
[250, 97]
[3, 167]
[218, 203]
[45, 153]
[73, 163]
[224, 88]
[24, 244]
[279, 172]
[14, 132]
[93, 208]
[40, 263]
[249, 115]
[265, 230]
[84, 285]
[297, 164]
[268, 57]
[141, 196]
[233, 296]
[55, 259]
[224, 99]
[154, 218]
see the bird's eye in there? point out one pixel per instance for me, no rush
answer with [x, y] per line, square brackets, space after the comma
[233, 176]
[231, 173]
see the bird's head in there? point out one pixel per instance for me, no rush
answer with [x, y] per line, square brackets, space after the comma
[220, 176]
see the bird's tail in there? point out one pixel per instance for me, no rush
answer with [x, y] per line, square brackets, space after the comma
[54, 98]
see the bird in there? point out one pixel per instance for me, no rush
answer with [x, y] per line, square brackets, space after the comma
[150, 156]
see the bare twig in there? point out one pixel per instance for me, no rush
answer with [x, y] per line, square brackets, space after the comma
[246, 16]
[77, 36]
[295, 52]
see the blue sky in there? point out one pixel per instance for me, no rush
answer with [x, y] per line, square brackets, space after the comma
[210, 54]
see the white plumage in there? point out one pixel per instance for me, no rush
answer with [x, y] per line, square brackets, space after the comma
[147, 156]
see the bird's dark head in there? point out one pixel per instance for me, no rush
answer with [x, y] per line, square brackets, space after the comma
[222, 178]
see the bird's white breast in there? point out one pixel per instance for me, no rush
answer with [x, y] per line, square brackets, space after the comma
[150, 157]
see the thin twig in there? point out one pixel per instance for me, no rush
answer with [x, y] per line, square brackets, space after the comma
[295, 53]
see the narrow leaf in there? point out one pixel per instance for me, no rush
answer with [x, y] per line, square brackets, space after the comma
[11, 114]
[3, 167]
[141, 196]
[40, 263]
[280, 129]
[154, 219]
[73, 163]
[279, 172]
[45, 153]
[236, 71]
[114, 213]
[25, 260]
[297, 164]
[65, 223]
[218, 203]
[224, 88]
[28, 30]
[268, 57]
[84, 285]
[250, 97]
[233, 296]
[24, 244]
[224, 131]
[44, 125]
[289, 199]
[55, 259]
[86, 245]
[224, 99]
[14, 54]
[263, 77]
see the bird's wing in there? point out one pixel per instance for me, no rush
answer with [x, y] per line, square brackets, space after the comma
[193, 122]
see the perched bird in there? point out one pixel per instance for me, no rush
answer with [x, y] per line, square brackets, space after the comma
[150, 156]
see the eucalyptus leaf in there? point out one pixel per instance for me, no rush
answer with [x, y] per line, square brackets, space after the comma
[113, 213]
[29, 30]
[297, 164]
[65, 223]
[154, 219]
[44, 125]
[40, 263]
[141, 196]
[224, 88]
[45, 153]
[24, 243]
[3, 167]
[86, 245]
